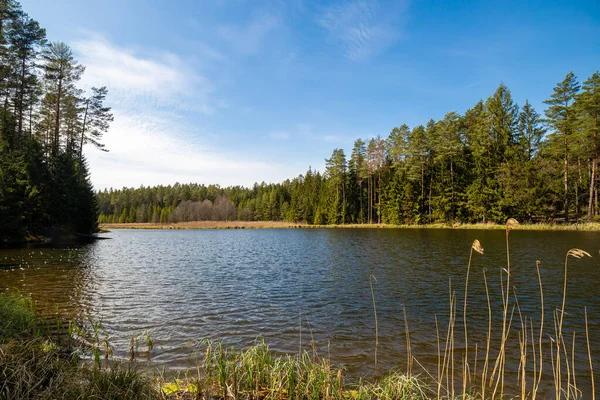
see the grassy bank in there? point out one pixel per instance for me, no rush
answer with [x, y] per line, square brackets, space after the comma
[586, 226]
[35, 364]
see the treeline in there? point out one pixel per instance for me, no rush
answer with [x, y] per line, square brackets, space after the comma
[497, 160]
[45, 121]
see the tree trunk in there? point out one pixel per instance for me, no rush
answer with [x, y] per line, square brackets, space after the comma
[579, 183]
[379, 198]
[566, 181]
[87, 105]
[361, 201]
[591, 209]
[452, 186]
[31, 120]
[369, 198]
[422, 205]
[344, 203]
[592, 171]
[55, 146]
[22, 96]
[430, 194]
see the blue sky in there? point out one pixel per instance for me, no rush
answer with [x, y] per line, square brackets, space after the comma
[234, 92]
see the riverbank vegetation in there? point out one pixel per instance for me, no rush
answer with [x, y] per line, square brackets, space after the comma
[493, 161]
[38, 365]
[45, 121]
[585, 226]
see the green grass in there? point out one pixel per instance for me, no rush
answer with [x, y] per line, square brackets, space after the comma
[256, 373]
[17, 316]
[34, 366]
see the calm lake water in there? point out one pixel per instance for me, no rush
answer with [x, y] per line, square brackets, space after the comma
[296, 287]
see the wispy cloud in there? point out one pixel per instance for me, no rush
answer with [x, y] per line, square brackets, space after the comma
[151, 140]
[143, 151]
[161, 80]
[362, 28]
[120, 67]
[247, 39]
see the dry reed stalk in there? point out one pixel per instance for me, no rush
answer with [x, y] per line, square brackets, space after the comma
[439, 365]
[539, 379]
[523, 335]
[587, 338]
[533, 351]
[554, 375]
[452, 342]
[573, 365]
[464, 376]
[376, 324]
[564, 348]
[409, 361]
[475, 366]
[489, 335]
[479, 249]
[556, 361]
[501, 363]
[575, 253]
[510, 223]
[446, 361]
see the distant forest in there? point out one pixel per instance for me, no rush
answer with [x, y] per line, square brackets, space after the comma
[45, 121]
[497, 160]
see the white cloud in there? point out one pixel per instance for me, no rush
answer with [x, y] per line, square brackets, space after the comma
[161, 80]
[247, 39]
[360, 27]
[152, 140]
[142, 152]
[110, 65]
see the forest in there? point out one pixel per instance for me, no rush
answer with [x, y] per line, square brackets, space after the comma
[45, 121]
[496, 160]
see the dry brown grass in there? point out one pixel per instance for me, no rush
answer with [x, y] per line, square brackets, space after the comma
[207, 225]
[588, 226]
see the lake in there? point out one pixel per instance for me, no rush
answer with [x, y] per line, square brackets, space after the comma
[309, 288]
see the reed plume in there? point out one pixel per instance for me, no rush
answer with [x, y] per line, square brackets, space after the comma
[479, 249]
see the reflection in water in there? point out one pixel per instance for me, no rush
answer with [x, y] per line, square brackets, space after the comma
[59, 279]
[237, 285]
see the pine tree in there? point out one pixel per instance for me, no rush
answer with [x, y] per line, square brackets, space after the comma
[589, 106]
[335, 172]
[561, 116]
[61, 74]
[502, 114]
[530, 131]
[26, 38]
[358, 169]
[96, 120]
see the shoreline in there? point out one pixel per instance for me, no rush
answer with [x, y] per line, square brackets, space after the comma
[584, 227]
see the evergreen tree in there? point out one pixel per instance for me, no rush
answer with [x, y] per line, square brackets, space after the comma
[61, 74]
[530, 131]
[561, 116]
[589, 106]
